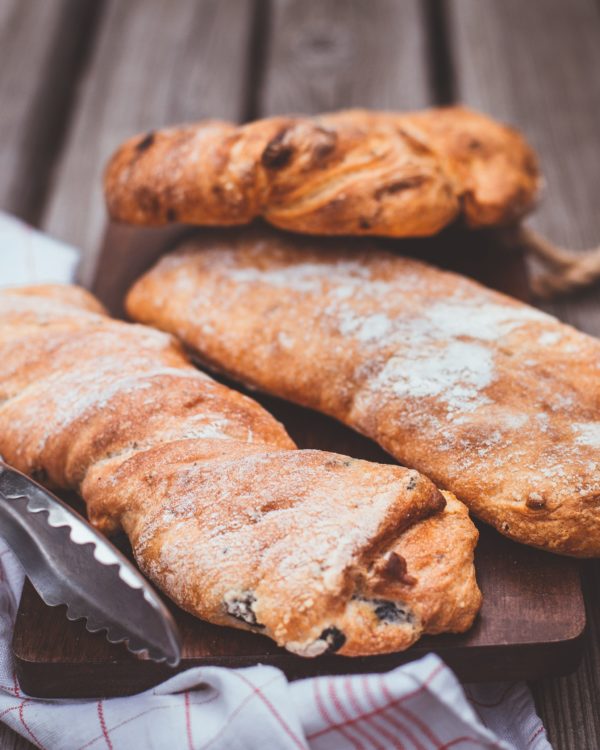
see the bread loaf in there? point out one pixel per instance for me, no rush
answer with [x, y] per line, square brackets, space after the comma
[351, 172]
[316, 550]
[493, 400]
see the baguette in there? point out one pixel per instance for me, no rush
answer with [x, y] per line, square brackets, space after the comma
[493, 400]
[320, 552]
[352, 172]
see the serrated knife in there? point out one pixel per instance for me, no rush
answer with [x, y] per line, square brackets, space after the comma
[69, 562]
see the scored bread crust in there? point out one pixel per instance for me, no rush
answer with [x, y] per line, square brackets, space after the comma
[319, 551]
[351, 172]
[493, 400]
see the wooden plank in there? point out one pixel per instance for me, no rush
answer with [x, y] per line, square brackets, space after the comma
[10, 740]
[343, 54]
[569, 705]
[536, 65]
[43, 47]
[154, 64]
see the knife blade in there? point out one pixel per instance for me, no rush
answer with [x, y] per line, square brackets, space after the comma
[69, 562]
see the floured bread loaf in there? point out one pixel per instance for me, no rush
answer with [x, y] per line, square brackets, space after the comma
[318, 551]
[495, 401]
[350, 172]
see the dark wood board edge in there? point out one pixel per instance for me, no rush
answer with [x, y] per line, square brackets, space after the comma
[505, 662]
[509, 663]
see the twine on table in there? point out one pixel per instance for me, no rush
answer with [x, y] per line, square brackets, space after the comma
[566, 271]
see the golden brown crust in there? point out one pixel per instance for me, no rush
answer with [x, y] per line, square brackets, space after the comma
[223, 512]
[69, 294]
[493, 400]
[434, 559]
[350, 172]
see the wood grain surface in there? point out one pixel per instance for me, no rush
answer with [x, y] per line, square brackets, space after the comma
[42, 48]
[539, 71]
[344, 53]
[151, 65]
[81, 74]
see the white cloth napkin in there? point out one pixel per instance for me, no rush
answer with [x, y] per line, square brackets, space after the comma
[30, 257]
[420, 706]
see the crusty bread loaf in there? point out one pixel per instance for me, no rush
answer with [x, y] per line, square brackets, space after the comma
[493, 400]
[351, 172]
[318, 551]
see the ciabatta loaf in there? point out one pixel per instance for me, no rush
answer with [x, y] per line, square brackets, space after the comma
[318, 551]
[493, 400]
[353, 172]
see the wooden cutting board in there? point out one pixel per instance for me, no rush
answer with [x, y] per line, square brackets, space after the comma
[533, 617]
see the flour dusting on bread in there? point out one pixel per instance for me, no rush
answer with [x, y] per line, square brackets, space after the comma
[494, 400]
[223, 512]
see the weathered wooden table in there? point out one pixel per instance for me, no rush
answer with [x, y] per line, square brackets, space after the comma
[78, 76]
